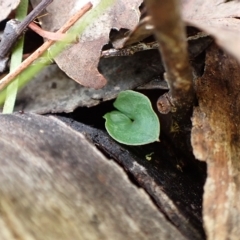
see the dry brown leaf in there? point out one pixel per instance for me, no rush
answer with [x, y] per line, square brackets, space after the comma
[218, 18]
[215, 139]
[6, 7]
[80, 60]
[53, 91]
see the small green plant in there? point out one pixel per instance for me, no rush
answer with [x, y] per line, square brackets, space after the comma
[135, 122]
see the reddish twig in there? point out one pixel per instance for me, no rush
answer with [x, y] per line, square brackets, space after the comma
[55, 36]
[10, 77]
[14, 29]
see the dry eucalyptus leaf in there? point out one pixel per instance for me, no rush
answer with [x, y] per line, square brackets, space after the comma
[79, 61]
[54, 184]
[6, 7]
[53, 91]
[218, 18]
[215, 139]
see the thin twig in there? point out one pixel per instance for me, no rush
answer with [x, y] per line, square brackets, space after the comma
[10, 77]
[33, 14]
[170, 33]
[14, 29]
[55, 36]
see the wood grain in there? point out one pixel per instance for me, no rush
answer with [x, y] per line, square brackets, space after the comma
[54, 184]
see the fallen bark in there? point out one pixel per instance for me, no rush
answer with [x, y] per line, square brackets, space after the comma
[54, 184]
[215, 139]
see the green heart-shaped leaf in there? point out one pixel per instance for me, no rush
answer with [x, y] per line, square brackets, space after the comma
[135, 122]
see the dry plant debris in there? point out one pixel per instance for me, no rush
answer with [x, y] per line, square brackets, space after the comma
[80, 60]
[14, 29]
[7, 7]
[40, 51]
[215, 139]
[76, 193]
[218, 18]
[53, 91]
[169, 30]
[215, 133]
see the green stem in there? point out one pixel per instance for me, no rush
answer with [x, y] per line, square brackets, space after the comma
[55, 49]
[16, 59]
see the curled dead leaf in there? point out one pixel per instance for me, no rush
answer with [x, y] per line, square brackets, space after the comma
[80, 60]
[220, 19]
[217, 18]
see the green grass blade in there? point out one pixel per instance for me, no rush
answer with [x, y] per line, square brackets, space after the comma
[58, 47]
[16, 59]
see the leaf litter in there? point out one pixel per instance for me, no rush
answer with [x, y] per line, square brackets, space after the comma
[7, 7]
[80, 60]
[52, 91]
[220, 19]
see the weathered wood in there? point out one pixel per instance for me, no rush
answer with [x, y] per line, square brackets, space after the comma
[54, 184]
[175, 186]
[215, 139]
